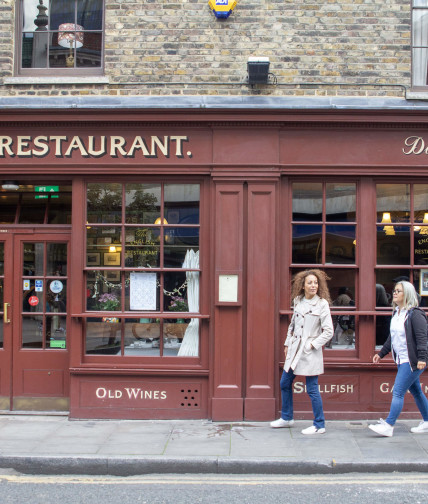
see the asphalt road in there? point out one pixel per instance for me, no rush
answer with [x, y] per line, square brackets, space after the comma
[231, 489]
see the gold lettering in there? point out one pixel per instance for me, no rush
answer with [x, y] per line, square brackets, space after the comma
[6, 143]
[416, 144]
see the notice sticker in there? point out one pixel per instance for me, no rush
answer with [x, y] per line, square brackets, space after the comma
[33, 301]
[26, 285]
[56, 286]
[39, 285]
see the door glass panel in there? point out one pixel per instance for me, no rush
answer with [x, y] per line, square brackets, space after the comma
[56, 259]
[1, 331]
[1, 258]
[56, 296]
[33, 301]
[32, 331]
[1, 293]
[33, 259]
[56, 331]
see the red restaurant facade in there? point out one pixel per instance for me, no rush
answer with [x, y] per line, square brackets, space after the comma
[146, 256]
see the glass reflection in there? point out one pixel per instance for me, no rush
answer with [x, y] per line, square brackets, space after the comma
[393, 245]
[103, 336]
[182, 203]
[1, 331]
[33, 259]
[142, 203]
[340, 244]
[307, 244]
[104, 203]
[340, 203]
[103, 290]
[142, 337]
[1, 293]
[32, 300]
[420, 245]
[56, 259]
[59, 209]
[420, 203]
[8, 207]
[32, 332]
[33, 211]
[1, 258]
[307, 202]
[103, 246]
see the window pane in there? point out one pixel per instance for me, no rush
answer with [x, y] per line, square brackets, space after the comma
[104, 203]
[177, 241]
[89, 55]
[342, 291]
[32, 332]
[393, 245]
[142, 248]
[340, 244]
[56, 260]
[175, 292]
[103, 336]
[90, 14]
[32, 300]
[59, 210]
[1, 293]
[56, 296]
[1, 331]
[1, 258]
[104, 291]
[383, 323]
[103, 246]
[420, 197]
[56, 331]
[33, 259]
[307, 202]
[393, 203]
[33, 210]
[174, 333]
[142, 203]
[8, 207]
[340, 203]
[142, 337]
[62, 11]
[182, 203]
[421, 245]
[385, 281]
[307, 244]
[142, 291]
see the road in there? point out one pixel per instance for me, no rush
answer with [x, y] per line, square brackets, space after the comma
[409, 488]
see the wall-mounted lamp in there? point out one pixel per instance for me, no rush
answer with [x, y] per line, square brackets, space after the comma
[10, 185]
[258, 70]
[222, 9]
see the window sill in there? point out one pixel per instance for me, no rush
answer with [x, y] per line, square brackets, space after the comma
[11, 81]
[417, 95]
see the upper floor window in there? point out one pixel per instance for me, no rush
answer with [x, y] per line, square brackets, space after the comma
[420, 43]
[60, 37]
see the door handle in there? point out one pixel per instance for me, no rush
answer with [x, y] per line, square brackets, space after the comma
[5, 307]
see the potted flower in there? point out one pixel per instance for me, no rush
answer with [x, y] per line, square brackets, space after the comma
[178, 304]
[108, 302]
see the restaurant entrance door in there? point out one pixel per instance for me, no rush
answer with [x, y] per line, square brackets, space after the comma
[34, 273]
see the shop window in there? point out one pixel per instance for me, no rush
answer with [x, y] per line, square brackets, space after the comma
[402, 245]
[36, 204]
[324, 235]
[142, 269]
[60, 37]
[419, 43]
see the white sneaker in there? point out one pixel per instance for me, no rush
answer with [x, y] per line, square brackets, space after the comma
[382, 428]
[277, 424]
[422, 427]
[313, 430]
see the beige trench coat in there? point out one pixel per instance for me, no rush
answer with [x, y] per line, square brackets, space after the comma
[311, 327]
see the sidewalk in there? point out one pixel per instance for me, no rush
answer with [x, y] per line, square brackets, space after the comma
[56, 445]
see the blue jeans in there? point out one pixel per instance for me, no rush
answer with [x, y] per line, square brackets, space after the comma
[405, 380]
[312, 391]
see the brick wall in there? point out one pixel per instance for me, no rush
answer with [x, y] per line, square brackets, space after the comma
[178, 47]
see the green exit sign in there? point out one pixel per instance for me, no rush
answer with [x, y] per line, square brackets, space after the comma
[43, 191]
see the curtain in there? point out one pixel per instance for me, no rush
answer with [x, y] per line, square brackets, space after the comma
[190, 345]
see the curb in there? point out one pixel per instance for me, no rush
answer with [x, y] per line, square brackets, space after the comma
[132, 466]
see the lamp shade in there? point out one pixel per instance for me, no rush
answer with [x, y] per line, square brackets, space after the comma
[69, 36]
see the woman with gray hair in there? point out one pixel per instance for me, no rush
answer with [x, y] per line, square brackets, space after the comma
[408, 341]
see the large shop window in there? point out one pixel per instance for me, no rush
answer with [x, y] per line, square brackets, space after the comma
[142, 269]
[402, 246]
[419, 43]
[61, 37]
[324, 234]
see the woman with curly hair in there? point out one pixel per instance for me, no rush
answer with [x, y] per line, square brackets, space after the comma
[310, 328]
